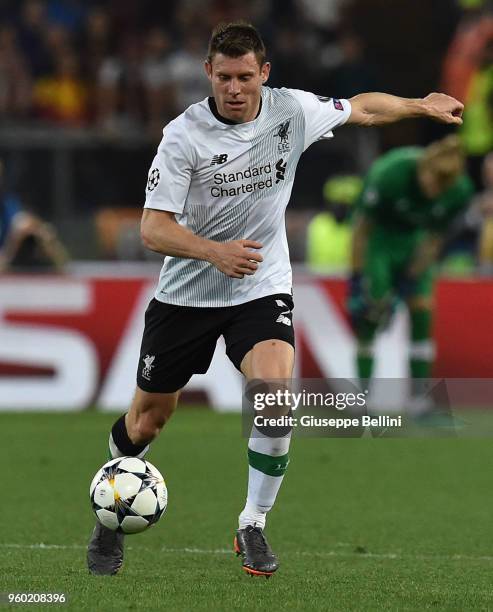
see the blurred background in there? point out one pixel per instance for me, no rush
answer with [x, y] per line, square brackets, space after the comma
[86, 88]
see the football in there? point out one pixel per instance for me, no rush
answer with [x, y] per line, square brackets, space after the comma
[128, 495]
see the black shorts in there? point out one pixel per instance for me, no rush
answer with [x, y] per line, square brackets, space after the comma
[179, 341]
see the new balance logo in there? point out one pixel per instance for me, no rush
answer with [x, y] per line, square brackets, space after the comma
[146, 370]
[219, 159]
[282, 318]
[280, 170]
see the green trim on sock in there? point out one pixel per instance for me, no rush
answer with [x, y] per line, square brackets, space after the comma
[420, 368]
[421, 319]
[272, 466]
[365, 334]
[420, 365]
[364, 364]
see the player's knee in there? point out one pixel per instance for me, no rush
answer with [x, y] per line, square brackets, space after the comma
[269, 359]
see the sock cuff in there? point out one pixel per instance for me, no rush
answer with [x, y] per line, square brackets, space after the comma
[365, 349]
[272, 466]
[420, 325]
[265, 445]
[119, 438]
[422, 349]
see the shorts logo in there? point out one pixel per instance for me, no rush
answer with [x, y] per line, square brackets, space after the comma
[146, 370]
[282, 318]
[153, 179]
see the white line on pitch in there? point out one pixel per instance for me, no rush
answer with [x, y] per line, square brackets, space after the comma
[225, 551]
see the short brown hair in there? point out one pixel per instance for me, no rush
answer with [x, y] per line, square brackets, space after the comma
[445, 158]
[236, 39]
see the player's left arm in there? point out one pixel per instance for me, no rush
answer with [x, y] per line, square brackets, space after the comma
[372, 109]
[426, 254]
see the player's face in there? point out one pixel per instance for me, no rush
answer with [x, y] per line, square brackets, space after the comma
[236, 85]
[432, 185]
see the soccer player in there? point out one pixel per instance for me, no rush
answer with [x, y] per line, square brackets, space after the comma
[410, 197]
[215, 200]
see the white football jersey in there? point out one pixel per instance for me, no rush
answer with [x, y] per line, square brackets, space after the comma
[227, 181]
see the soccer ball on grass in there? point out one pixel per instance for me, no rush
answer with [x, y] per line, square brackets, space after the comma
[128, 495]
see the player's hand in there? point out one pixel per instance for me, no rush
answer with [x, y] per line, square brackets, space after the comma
[363, 309]
[443, 108]
[406, 286]
[237, 258]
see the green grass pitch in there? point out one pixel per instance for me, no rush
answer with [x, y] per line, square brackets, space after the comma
[360, 524]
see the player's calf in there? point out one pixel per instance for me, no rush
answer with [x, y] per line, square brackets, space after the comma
[147, 416]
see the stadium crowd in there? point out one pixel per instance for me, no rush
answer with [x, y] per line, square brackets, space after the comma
[118, 68]
[122, 64]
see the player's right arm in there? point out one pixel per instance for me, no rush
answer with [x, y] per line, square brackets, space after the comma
[161, 233]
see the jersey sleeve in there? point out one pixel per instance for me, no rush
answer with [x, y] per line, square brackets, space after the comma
[169, 176]
[322, 115]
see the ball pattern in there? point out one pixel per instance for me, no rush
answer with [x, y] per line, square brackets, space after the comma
[128, 495]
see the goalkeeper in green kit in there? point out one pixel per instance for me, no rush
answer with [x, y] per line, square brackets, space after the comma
[409, 198]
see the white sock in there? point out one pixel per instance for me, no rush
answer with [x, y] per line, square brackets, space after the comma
[268, 460]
